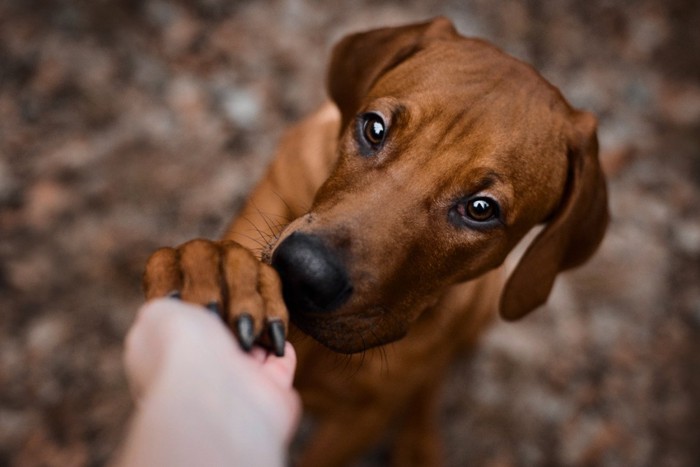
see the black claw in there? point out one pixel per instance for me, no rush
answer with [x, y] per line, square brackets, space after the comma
[245, 331]
[275, 330]
[175, 294]
[215, 308]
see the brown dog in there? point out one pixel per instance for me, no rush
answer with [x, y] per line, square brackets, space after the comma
[437, 155]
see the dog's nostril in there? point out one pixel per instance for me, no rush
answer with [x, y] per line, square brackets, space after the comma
[313, 277]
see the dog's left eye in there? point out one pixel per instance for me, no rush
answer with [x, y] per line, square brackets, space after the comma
[373, 130]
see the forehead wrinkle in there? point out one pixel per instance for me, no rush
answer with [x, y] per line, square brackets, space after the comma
[470, 114]
[478, 179]
[469, 179]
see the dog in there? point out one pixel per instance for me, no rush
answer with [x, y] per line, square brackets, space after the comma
[435, 155]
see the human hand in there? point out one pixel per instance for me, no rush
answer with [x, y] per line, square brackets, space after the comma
[201, 398]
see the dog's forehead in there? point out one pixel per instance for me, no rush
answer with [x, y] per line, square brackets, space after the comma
[467, 94]
[471, 64]
[475, 85]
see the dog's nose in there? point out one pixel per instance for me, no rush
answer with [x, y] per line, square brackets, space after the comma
[313, 276]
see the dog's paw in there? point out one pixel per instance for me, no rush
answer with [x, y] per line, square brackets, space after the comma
[227, 279]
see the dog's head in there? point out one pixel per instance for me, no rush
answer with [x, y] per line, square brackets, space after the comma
[450, 151]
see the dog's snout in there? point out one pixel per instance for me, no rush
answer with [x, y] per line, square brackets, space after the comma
[313, 277]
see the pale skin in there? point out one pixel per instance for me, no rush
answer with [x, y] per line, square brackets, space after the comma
[201, 400]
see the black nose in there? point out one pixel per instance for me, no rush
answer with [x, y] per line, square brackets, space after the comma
[313, 277]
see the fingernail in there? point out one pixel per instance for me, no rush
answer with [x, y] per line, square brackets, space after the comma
[245, 331]
[215, 308]
[175, 294]
[275, 330]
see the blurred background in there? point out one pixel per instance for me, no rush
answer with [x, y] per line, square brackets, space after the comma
[128, 125]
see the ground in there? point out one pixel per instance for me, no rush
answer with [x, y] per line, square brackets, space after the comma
[128, 125]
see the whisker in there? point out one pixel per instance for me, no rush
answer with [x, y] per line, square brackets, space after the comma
[257, 240]
[284, 201]
[343, 363]
[385, 358]
[379, 349]
[264, 217]
[257, 229]
[285, 218]
[394, 321]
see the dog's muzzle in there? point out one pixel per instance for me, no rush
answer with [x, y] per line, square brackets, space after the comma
[314, 279]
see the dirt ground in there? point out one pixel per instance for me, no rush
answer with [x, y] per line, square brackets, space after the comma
[128, 125]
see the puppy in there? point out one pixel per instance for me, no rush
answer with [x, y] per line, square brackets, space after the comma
[434, 157]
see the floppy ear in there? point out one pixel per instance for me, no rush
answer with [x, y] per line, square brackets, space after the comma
[360, 59]
[574, 233]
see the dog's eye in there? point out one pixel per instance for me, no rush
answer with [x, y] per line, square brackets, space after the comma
[373, 130]
[480, 209]
[477, 212]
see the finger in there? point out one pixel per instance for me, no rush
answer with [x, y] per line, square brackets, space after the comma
[162, 276]
[281, 370]
[245, 311]
[199, 263]
[275, 310]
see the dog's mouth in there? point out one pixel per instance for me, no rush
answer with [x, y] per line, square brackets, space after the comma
[350, 332]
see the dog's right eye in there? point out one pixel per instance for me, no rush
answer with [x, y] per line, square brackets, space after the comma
[373, 130]
[477, 212]
[480, 209]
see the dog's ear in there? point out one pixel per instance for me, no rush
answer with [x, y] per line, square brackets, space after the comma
[572, 235]
[360, 59]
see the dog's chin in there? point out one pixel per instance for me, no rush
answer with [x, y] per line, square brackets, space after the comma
[350, 333]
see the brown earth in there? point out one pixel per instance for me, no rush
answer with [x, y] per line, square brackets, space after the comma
[127, 125]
